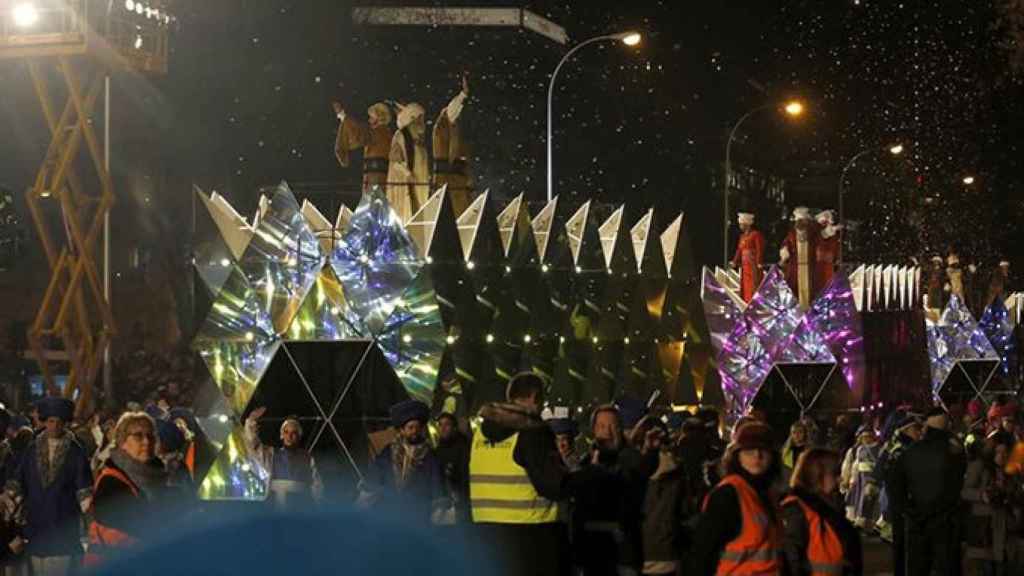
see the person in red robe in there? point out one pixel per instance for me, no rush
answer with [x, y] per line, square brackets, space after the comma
[749, 257]
[797, 255]
[827, 251]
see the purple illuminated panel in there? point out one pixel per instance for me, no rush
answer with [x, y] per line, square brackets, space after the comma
[720, 310]
[834, 315]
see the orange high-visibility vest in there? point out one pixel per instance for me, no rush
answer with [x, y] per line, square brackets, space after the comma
[104, 538]
[757, 551]
[824, 549]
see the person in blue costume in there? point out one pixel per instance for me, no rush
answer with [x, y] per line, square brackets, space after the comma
[55, 481]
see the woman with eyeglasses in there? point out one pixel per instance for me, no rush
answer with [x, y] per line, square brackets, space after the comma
[129, 488]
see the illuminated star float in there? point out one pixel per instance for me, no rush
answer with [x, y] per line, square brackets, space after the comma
[957, 343]
[772, 333]
[598, 306]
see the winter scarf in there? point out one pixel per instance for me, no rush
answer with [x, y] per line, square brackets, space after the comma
[48, 470]
[406, 459]
[149, 477]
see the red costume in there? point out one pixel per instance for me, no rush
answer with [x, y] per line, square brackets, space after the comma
[749, 258]
[826, 257]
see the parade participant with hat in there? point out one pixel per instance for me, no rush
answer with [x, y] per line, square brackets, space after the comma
[798, 254]
[739, 531]
[374, 137]
[406, 472]
[749, 257]
[827, 252]
[409, 165]
[450, 162]
[56, 483]
[131, 489]
[925, 488]
[294, 479]
[862, 484]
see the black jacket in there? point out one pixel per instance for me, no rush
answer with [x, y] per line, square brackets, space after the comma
[925, 483]
[796, 535]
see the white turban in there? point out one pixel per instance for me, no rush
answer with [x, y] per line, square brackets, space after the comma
[801, 213]
[409, 114]
[745, 218]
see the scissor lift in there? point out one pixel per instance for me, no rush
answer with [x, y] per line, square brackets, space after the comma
[83, 42]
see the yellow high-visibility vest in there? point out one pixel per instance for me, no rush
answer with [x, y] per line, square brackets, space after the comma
[499, 489]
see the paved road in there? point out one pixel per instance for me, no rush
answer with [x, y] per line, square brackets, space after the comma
[877, 557]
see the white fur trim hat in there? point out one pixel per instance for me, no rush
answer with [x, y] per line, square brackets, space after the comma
[745, 217]
[825, 217]
[409, 113]
[801, 213]
[1004, 263]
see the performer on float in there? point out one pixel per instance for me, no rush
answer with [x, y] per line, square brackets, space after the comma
[374, 137]
[797, 255]
[450, 166]
[955, 276]
[998, 284]
[749, 257]
[827, 251]
[935, 284]
[409, 167]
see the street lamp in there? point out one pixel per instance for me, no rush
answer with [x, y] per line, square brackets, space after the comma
[629, 38]
[793, 109]
[895, 150]
[968, 180]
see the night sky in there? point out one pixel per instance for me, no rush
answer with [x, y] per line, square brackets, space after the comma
[246, 104]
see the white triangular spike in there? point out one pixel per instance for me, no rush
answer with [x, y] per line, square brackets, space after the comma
[341, 222]
[235, 231]
[878, 295]
[261, 210]
[423, 223]
[609, 233]
[507, 221]
[869, 288]
[469, 224]
[541, 225]
[639, 234]
[574, 231]
[857, 287]
[669, 241]
[321, 226]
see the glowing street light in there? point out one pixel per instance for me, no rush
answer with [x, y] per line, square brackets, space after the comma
[793, 109]
[25, 15]
[968, 180]
[629, 38]
[895, 149]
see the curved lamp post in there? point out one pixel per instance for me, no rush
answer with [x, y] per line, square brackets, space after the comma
[792, 108]
[629, 38]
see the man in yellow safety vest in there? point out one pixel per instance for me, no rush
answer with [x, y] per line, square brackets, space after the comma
[516, 476]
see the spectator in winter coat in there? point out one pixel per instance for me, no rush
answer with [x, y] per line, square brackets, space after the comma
[740, 526]
[131, 490]
[667, 507]
[517, 520]
[986, 492]
[452, 453]
[818, 539]
[608, 494]
[891, 526]
[925, 487]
